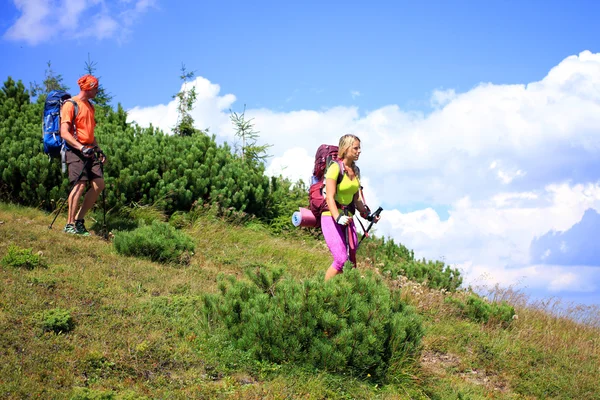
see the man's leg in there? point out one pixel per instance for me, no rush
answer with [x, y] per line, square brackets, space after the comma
[97, 186]
[73, 200]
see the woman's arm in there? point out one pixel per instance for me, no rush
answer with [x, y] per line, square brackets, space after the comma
[360, 206]
[331, 190]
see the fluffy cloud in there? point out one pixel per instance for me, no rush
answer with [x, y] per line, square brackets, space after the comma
[509, 162]
[39, 21]
[491, 240]
[210, 112]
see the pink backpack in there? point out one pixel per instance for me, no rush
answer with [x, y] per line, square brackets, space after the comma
[326, 154]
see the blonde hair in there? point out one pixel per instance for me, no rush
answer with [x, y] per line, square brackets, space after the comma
[346, 142]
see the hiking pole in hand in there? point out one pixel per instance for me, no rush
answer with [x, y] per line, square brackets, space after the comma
[347, 231]
[104, 229]
[373, 218]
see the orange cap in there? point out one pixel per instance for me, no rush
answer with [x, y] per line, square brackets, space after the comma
[87, 82]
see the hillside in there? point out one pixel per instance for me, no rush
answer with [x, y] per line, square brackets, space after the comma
[139, 332]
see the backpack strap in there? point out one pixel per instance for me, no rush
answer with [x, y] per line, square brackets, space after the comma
[75, 112]
[340, 164]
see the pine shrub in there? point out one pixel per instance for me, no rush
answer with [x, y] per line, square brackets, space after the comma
[395, 259]
[159, 242]
[56, 320]
[436, 274]
[478, 309]
[350, 324]
[17, 257]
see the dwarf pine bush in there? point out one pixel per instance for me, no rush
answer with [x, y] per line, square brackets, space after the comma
[56, 320]
[17, 257]
[435, 273]
[396, 259]
[478, 309]
[159, 242]
[350, 324]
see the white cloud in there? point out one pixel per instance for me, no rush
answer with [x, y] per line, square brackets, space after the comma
[210, 111]
[354, 94]
[440, 98]
[30, 26]
[292, 164]
[509, 162]
[491, 239]
[506, 175]
[101, 19]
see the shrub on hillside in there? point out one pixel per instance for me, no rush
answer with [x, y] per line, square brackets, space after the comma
[351, 324]
[82, 393]
[159, 242]
[56, 320]
[147, 166]
[395, 259]
[479, 309]
[385, 251]
[436, 274]
[17, 257]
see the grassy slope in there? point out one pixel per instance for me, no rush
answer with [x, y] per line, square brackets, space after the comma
[127, 341]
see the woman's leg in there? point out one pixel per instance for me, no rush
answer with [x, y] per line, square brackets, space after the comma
[334, 237]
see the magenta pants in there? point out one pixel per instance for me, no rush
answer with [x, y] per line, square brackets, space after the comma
[335, 237]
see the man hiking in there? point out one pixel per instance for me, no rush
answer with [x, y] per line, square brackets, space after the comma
[83, 156]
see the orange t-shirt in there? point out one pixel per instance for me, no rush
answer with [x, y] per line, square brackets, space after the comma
[84, 121]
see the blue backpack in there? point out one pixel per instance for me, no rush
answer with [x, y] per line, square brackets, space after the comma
[54, 144]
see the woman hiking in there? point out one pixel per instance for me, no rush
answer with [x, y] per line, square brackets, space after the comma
[343, 200]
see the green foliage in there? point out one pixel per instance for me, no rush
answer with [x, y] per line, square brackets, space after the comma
[395, 259]
[26, 175]
[143, 214]
[351, 324]
[96, 366]
[386, 251]
[91, 394]
[478, 309]
[145, 166]
[56, 320]
[51, 82]
[15, 92]
[286, 197]
[185, 103]
[103, 98]
[17, 257]
[159, 242]
[244, 131]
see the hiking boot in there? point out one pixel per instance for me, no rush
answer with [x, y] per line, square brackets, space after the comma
[70, 228]
[80, 228]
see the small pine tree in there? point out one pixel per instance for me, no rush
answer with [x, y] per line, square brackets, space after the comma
[16, 91]
[51, 82]
[244, 130]
[185, 103]
[103, 98]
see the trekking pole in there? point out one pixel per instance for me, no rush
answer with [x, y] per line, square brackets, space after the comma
[68, 194]
[104, 229]
[373, 219]
[346, 230]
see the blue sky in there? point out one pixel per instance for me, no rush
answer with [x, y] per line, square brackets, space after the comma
[480, 121]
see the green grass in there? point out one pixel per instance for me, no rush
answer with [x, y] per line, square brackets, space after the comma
[138, 330]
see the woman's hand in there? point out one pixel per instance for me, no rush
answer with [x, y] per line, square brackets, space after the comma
[343, 219]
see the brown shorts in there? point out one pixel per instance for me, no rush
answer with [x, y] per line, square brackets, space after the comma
[82, 168]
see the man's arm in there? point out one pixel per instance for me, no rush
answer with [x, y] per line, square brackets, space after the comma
[65, 133]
